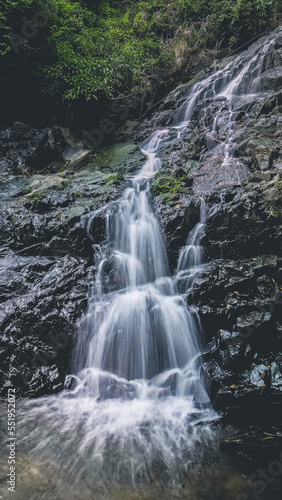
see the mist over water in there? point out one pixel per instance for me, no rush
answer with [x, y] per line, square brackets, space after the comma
[135, 408]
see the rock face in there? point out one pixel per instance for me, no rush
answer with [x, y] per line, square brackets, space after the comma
[240, 306]
[45, 249]
[24, 149]
[40, 300]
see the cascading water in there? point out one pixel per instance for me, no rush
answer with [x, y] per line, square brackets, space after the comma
[217, 102]
[191, 256]
[138, 330]
[136, 398]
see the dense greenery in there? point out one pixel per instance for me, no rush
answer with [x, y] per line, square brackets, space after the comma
[90, 49]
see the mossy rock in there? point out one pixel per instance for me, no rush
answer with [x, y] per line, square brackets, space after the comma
[169, 187]
[115, 179]
[34, 198]
[118, 155]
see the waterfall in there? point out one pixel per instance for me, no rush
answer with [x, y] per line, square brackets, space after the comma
[138, 334]
[136, 398]
[191, 256]
[137, 329]
[216, 103]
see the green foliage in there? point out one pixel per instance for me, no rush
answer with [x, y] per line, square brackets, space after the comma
[102, 61]
[4, 44]
[250, 17]
[92, 50]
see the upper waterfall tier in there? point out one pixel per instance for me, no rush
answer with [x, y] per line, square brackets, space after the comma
[208, 119]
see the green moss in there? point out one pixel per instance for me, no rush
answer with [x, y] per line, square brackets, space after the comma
[66, 173]
[115, 179]
[35, 198]
[117, 155]
[169, 187]
[77, 194]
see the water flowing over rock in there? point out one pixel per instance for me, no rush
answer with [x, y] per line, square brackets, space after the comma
[138, 398]
[136, 327]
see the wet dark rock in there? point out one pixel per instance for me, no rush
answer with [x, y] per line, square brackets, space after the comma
[252, 220]
[233, 292]
[46, 250]
[23, 148]
[178, 220]
[240, 308]
[42, 217]
[40, 303]
[215, 376]
[272, 78]
[246, 405]
[255, 445]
